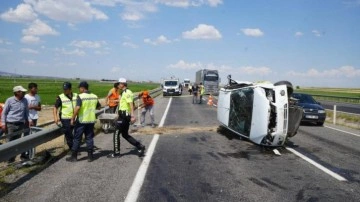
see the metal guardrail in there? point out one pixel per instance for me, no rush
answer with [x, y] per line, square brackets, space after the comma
[23, 144]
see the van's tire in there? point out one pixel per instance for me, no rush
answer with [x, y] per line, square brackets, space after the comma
[288, 84]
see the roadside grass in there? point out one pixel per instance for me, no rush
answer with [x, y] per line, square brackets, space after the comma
[49, 89]
[340, 92]
[344, 119]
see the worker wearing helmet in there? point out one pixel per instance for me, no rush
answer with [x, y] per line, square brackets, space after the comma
[126, 116]
[148, 102]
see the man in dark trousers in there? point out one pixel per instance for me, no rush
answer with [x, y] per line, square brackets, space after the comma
[126, 116]
[86, 104]
[15, 116]
[64, 110]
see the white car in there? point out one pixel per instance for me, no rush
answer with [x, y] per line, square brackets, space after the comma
[262, 112]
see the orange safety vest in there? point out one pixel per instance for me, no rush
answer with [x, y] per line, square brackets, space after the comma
[113, 98]
[147, 100]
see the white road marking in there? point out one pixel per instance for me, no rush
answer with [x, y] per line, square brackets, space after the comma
[343, 131]
[135, 188]
[327, 171]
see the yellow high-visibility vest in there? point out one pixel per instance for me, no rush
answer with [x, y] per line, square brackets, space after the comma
[67, 105]
[87, 108]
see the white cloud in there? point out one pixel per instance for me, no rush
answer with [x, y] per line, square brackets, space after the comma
[5, 50]
[299, 34]
[202, 31]
[29, 50]
[189, 3]
[135, 11]
[73, 11]
[76, 52]
[4, 41]
[344, 71]
[101, 52]
[160, 40]
[22, 14]
[39, 28]
[252, 32]
[29, 39]
[129, 44]
[88, 44]
[110, 3]
[250, 70]
[115, 69]
[181, 64]
[29, 62]
[316, 33]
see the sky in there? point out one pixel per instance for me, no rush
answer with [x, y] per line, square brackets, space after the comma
[311, 43]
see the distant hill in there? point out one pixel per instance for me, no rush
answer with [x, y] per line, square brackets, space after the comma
[7, 74]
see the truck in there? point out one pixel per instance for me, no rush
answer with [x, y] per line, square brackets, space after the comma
[186, 83]
[209, 79]
[171, 86]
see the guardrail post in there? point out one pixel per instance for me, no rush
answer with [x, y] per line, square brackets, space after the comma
[334, 115]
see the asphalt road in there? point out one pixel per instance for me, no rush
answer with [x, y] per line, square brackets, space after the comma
[195, 160]
[344, 107]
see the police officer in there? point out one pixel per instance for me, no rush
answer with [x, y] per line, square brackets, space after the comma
[126, 115]
[64, 110]
[86, 104]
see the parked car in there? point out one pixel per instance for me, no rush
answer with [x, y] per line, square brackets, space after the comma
[313, 111]
[261, 112]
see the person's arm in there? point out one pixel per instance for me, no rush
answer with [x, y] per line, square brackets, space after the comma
[76, 109]
[56, 110]
[4, 114]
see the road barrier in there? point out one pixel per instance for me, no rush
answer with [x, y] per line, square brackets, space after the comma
[344, 118]
[23, 144]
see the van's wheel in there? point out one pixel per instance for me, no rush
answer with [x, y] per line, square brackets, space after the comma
[288, 84]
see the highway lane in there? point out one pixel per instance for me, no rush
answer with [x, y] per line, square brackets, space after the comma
[195, 160]
[218, 166]
[344, 107]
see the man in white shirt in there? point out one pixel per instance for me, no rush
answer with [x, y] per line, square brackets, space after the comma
[34, 104]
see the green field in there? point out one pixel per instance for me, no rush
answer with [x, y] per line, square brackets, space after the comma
[49, 89]
[340, 92]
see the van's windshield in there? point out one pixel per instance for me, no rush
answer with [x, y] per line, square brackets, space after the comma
[171, 83]
[241, 106]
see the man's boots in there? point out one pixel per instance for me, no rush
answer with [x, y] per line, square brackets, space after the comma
[90, 156]
[73, 157]
[141, 150]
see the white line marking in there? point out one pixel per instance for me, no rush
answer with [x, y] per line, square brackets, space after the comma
[327, 171]
[165, 113]
[135, 188]
[343, 131]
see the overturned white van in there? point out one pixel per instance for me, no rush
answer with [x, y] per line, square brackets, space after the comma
[262, 112]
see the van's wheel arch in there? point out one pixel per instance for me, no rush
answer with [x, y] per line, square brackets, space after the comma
[288, 84]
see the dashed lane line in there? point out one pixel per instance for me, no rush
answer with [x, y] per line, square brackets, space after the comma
[135, 188]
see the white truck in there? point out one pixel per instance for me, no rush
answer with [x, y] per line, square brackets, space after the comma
[261, 112]
[171, 87]
[186, 83]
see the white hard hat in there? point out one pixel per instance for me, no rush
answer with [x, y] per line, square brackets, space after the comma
[122, 80]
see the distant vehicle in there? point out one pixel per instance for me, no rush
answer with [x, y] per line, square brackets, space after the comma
[171, 87]
[186, 83]
[210, 79]
[261, 112]
[313, 111]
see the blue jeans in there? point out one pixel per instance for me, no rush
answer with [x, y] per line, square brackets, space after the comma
[68, 131]
[88, 129]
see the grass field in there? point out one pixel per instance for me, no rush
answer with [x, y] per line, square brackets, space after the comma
[340, 92]
[49, 89]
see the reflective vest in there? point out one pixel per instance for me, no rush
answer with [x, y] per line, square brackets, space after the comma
[127, 97]
[67, 106]
[113, 97]
[88, 107]
[202, 90]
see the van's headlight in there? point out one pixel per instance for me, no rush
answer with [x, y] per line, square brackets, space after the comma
[321, 111]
